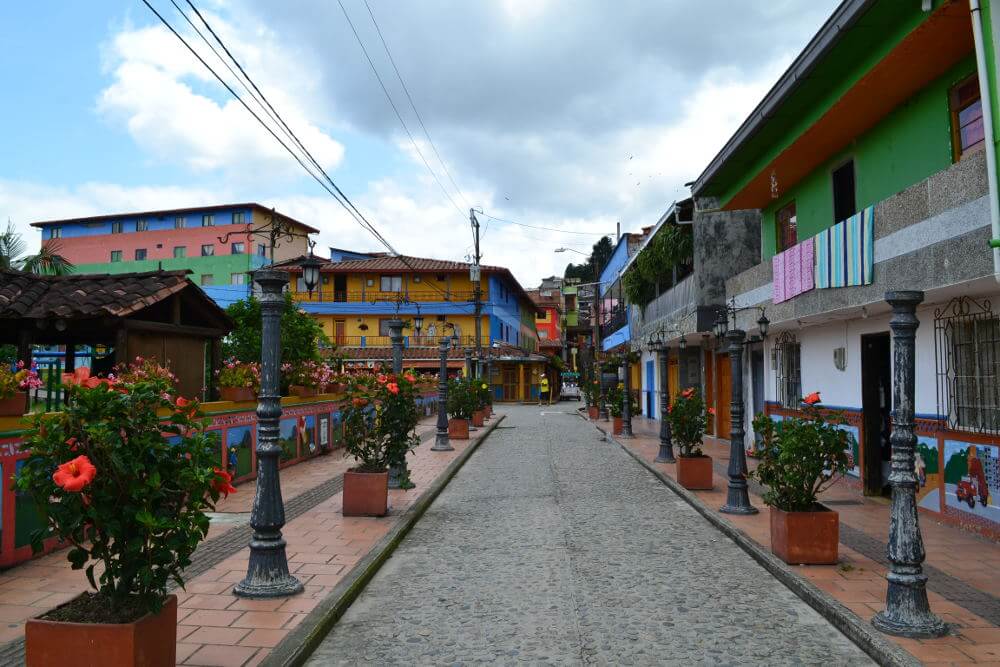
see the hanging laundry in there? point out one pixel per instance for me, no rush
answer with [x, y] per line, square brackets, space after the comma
[793, 271]
[845, 253]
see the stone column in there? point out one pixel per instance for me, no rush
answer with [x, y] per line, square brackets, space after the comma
[441, 442]
[907, 612]
[737, 497]
[396, 472]
[267, 571]
[666, 453]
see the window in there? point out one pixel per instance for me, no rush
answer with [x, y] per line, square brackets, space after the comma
[262, 250]
[207, 279]
[786, 227]
[180, 251]
[238, 248]
[180, 223]
[238, 279]
[539, 315]
[239, 218]
[140, 254]
[391, 284]
[208, 220]
[208, 250]
[116, 255]
[788, 370]
[142, 225]
[55, 233]
[116, 228]
[440, 277]
[843, 192]
[416, 279]
[967, 363]
[966, 118]
[543, 334]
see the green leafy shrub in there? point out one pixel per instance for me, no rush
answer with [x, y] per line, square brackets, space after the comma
[379, 419]
[130, 490]
[800, 456]
[687, 416]
[462, 398]
[301, 335]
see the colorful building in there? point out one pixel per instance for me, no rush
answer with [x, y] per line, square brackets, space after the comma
[214, 243]
[870, 167]
[360, 292]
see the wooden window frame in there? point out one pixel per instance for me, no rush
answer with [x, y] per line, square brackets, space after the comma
[779, 245]
[955, 107]
[833, 189]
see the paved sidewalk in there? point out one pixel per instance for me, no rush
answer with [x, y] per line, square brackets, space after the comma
[963, 588]
[215, 627]
[552, 546]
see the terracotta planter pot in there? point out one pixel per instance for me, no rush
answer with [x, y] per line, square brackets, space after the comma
[150, 641]
[366, 493]
[237, 394]
[805, 538]
[458, 429]
[593, 412]
[616, 426]
[15, 406]
[302, 392]
[488, 410]
[478, 418]
[694, 472]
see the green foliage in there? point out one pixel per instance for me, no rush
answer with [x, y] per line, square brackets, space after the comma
[687, 417]
[616, 401]
[800, 457]
[600, 254]
[591, 391]
[138, 520]
[8, 354]
[462, 398]
[301, 335]
[673, 245]
[240, 374]
[380, 417]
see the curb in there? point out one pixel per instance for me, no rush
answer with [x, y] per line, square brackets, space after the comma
[301, 642]
[869, 640]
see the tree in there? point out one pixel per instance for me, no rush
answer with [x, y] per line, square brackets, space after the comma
[600, 255]
[47, 260]
[301, 335]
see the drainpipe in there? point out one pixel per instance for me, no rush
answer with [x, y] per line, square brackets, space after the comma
[985, 94]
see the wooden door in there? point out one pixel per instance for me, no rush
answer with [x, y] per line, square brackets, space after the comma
[723, 395]
[510, 383]
[339, 331]
[709, 389]
[674, 372]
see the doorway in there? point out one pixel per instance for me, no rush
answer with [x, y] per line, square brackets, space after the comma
[510, 383]
[650, 387]
[723, 396]
[757, 382]
[876, 409]
[340, 332]
[340, 287]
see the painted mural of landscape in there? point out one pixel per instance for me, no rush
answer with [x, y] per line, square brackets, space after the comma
[928, 471]
[972, 478]
[297, 436]
[239, 443]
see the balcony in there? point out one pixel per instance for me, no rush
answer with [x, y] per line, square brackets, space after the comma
[614, 320]
[672, 304]
[364, 342]
[325, 293]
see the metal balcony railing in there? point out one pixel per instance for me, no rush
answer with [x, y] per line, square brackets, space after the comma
[614, 320]
[408, 341]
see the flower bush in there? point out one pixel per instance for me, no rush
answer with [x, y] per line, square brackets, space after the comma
[308, 374]
[18, 379]
[687, 416]
[799, 457]
[591, 391]
[239, 374]
[127, 490]
[616, 401]
[484, 397]
[379, 419]
[462, 398]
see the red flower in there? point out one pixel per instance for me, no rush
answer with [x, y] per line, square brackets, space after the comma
[382, 379]
[811, 399]
[75, 475]
[688, 393]
[711, 411]
[360, 402]
[222, 482]
[409, 377]
[72, 444]
[81, 377]
[393, 388]
[183, 402]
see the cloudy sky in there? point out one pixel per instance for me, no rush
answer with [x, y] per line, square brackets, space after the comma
[568, 114]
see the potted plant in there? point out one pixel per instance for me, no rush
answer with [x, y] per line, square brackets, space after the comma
[687, 417]
[615, 406]
[239, 381]
[305, 377]
[14, 387]
[131, 504]
[592, 394]
[798, 459]
[378, 418]
[479, 402]
[461, 403]
[485, 398]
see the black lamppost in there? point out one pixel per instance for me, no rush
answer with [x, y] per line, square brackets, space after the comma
[657, 344]
[907, 612]
[396, 472]
[626, 396]
[441, 442]
[267, 570]
[737, 496]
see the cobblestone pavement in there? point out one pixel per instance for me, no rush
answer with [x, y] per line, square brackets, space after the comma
[552, 546]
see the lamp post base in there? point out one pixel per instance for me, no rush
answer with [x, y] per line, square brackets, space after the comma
[907, 612]
[442, 444]
[267, 573]
[738, 501]
[665, 456]
[921, 626]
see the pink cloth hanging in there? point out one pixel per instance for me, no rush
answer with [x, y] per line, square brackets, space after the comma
[793, 271]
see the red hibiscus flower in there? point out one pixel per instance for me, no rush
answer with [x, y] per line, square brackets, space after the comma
[410, 378]
[72, 444]
[360, 402]
[75, 475]
[222, 482]
[393, 388]
[688, 393]
[812, 399]
[711, 411]
[81, 377]
[382, 379]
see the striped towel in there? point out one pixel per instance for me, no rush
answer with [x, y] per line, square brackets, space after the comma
[793, 271]
[845, 253]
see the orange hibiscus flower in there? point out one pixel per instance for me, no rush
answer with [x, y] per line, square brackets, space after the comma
[688, 393]
[812, 399]
[223, 482]
[75, 474]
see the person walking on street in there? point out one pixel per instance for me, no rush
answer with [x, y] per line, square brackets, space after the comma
[543, 394]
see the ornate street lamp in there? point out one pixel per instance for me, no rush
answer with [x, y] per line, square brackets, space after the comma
[441, 443]
[626, 396]
[907, 612]
[310, 271]
[658, 345]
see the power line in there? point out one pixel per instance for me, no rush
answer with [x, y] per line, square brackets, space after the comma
[551, 229]
[396, 110]
[414, 106]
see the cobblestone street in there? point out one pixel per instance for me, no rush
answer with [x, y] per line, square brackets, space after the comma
[551, 545]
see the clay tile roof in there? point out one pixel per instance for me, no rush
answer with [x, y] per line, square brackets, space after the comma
[31, 296]
[402, 263]
[385, 353]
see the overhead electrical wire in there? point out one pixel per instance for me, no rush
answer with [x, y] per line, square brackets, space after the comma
[550, 229]
[395, 110]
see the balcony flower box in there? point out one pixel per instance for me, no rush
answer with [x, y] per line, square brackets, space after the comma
[14, 406]
[302, 391]
[237, 394]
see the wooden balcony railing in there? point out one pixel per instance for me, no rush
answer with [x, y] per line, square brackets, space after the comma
[325, 293]
[408, 341]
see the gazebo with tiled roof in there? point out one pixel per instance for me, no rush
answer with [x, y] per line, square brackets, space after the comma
[156, 314]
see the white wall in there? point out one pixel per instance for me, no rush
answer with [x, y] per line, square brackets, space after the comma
[646, 357]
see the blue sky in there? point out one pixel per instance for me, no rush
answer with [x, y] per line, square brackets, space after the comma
[549, 112]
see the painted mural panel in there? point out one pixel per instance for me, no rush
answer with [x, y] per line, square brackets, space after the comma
[928, 471]
[972, 478]
[853, 450]
[239, 446]
[297, 437]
